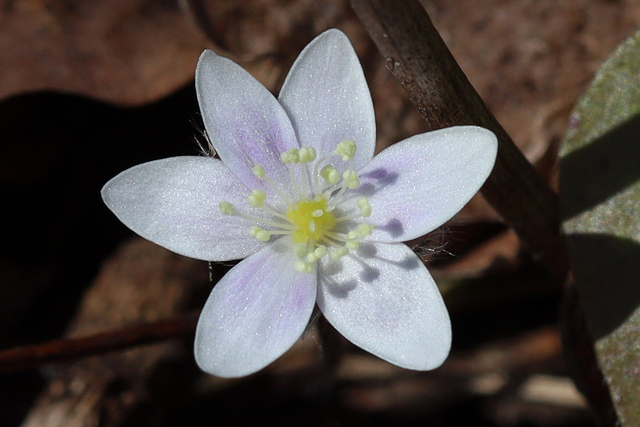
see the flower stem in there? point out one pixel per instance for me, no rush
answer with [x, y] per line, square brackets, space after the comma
[418, 57]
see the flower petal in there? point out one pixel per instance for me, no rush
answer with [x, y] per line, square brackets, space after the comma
[245, 123]
[383, 299]
[418, 184]
[327, 98]
[255, 313]
[174, 203]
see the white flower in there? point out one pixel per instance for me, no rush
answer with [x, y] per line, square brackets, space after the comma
[298, 193]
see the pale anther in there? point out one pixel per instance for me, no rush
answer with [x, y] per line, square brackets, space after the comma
[330, 174]
[351, 179]
[346, 149]
[365, 208]
[353, 245]
[292, 155]
[302, 266]
[258, 170]
[226, 208]
[263, 235]
[317, 213]
[307, 154]
[319, 252]
[364, 230]
[256, 198]
[339, 253]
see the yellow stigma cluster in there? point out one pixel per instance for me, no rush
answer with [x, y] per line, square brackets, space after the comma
[313, 218]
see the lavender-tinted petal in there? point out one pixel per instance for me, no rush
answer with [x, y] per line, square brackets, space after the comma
[418, 184]
[174, 203]
[245, 123]
[254, 314]
[328, 100]
[382, 298]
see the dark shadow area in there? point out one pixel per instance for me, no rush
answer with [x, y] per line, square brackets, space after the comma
[56, 152]
[603, 168]
[607, 276]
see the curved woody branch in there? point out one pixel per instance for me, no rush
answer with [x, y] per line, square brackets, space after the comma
[418, 57]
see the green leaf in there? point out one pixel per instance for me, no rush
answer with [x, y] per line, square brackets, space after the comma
[600, 205]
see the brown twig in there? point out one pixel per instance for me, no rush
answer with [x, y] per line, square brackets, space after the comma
[65, 350]
[418, 57]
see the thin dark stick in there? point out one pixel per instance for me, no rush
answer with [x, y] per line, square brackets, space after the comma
[418, 57]
[65, 350]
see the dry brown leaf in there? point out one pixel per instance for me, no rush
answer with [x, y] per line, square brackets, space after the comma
[123, 52]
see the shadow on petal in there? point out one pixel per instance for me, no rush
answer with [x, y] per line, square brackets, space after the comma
[385, 301]
[367, 272]
[375, 181]
[393, 227]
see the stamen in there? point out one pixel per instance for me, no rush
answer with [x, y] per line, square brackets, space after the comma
[361, 232]
[288, 227]
[226, 208]
[311, 217]
[256, 198]
[294, 181]
[330, 174]
[263, 235]
[365, 211]
[304, 175]
[353, 245]
[292, 155]
[258, 170]
[338, 253]
[365, 208]
[351, 179]
[319, 252]
[307, 154]
[346, 149]
[303, 267]
[259, 233]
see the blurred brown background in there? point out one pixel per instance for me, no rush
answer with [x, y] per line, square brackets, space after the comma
[88, 89]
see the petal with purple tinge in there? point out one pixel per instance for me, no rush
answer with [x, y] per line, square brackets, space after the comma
[382, 298]
[328, 100]
[418, 184]
[245, 123]
[175, 203]
[254, 314]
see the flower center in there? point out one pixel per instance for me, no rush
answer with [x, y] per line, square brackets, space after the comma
[314, 216]
[311, 218]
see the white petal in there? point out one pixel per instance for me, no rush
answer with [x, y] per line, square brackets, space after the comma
[327, 97]
[174, 203]
[254, 314]
[418, 184]
[245, 123]
[383, 299]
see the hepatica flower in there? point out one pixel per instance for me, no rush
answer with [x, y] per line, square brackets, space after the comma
[319, 220]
